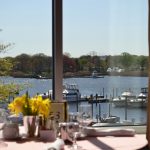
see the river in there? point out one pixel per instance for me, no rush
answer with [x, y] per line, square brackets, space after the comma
[110, 85]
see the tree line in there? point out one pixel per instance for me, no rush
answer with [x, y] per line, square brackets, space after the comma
[25, 65]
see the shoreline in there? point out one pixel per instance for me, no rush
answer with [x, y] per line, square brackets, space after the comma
[88, 75]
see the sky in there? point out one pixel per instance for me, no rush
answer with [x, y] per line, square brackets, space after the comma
[106, 27]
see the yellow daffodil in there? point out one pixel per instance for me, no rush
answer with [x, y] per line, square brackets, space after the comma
[30, 106]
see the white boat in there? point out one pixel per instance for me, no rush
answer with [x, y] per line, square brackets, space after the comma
[144, 93]
[141, 100]
[110, 119]
[70, 92]
[136, 103]
[123, 100]
[130, 100]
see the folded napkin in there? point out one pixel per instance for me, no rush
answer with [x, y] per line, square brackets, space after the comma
[109, 132]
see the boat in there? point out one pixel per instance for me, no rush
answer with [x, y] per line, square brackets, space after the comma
[40, 77]
[144, 93]
[106, 117]
[70, 93]
[97, 99]
[137, 103]
[96, 75]
[141, 100]
[144, 96]
[123, 100]
[130, 100]
[110, 119]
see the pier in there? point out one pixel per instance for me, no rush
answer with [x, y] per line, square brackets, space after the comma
[91, 99]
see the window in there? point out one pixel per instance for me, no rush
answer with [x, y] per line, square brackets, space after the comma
[109, 39]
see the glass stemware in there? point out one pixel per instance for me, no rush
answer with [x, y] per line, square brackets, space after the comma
[75, 146]
[75, 134]
[85, 117]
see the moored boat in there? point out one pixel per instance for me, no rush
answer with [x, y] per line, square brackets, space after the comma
[130, 100]
[144, 93]
[110, 119]
[95, 74]
[141, 100]
[137, 103]
[70, 92]
[123, 100]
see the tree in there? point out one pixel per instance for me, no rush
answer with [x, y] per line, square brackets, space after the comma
[7, 89]
[126, 60]
[22, 63]
[84, 62]
[69, 64]
[143, 62]
[5, 64]
[10, 90]
[41, 64]
[5, 67]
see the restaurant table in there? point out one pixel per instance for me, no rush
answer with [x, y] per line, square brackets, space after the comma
[88, 143]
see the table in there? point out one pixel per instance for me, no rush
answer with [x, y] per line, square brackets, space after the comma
[88, 143]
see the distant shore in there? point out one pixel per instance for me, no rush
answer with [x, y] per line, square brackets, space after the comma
[87, 75]
[129, 73]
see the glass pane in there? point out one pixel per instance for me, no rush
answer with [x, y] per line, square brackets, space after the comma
[25, 50]
[28, 25]
[106, 54]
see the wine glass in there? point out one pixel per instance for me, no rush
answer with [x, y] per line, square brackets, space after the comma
[75, 134]
[85, 115]
[75, 146]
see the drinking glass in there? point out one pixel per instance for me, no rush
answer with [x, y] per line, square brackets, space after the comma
[75, 134]
[75, 146]
[85, 116]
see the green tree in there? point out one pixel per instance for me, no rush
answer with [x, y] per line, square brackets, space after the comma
[126, 60]
[143, 62]
[41, 64]
[7, 90]
[5, 67]
[84, 62]
[22, 63]
[5, 63]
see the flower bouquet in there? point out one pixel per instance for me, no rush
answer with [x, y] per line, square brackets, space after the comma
[30, 108]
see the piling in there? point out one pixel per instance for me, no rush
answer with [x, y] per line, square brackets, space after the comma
[91, 98]
[100, 111]
[96, 99]
[77, 103]
[126, 108]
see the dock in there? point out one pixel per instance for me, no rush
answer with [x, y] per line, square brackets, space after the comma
[91, 99]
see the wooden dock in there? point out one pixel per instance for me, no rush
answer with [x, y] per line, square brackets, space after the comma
[94, 99]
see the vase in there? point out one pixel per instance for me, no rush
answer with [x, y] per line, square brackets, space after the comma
[47, 135]
[29, 123]
[11, 131]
